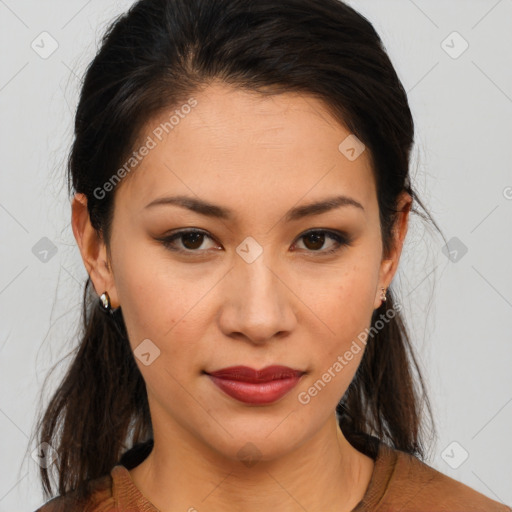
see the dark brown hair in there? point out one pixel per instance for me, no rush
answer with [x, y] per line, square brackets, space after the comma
[157, 55]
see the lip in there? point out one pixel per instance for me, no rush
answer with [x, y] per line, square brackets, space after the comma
[256, 386]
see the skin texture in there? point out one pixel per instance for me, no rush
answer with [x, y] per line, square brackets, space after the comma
[295, 305]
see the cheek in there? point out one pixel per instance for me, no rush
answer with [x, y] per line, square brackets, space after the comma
[346, 301]
[346, 308]
[162, 305]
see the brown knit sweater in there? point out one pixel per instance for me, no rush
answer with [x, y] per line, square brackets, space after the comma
[399, 482]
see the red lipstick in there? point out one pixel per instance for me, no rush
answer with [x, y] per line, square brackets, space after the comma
[256, 386]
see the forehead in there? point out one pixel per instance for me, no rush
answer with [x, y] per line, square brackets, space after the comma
[245, 148]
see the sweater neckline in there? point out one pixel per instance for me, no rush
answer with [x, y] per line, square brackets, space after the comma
[128, 496]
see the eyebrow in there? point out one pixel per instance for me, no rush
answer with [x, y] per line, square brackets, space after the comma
[298, 212]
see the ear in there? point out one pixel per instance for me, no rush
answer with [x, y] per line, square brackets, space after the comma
[92, 249]
[390, 264]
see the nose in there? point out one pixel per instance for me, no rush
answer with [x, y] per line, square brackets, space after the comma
[257, 304]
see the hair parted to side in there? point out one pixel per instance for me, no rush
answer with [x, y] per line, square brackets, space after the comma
[154, 57]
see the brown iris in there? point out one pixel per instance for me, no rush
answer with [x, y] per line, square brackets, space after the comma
[317, 240]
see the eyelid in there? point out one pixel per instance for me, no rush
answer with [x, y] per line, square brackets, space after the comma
[169, 239]
[339, 237]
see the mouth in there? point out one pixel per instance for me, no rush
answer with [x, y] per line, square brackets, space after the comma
[252, 386]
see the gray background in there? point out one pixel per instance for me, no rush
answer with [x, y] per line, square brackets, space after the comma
[459, 308]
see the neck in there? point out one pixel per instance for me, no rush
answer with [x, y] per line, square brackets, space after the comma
[324, 473]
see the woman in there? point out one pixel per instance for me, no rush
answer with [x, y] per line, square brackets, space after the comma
[241, 198]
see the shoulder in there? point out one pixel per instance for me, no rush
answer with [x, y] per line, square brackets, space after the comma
[417, 487]
[100, 499]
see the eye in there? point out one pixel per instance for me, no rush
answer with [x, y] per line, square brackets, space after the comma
[191, 241]
[315, 240]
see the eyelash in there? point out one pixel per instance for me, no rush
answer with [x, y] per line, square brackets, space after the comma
[341, 240]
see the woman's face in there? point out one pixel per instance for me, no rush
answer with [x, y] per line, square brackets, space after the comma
[253, 288]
